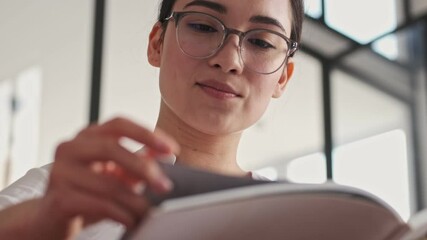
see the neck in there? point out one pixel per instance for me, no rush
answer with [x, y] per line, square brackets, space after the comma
[215, 153]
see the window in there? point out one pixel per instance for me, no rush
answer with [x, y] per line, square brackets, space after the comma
[379, 165]
[313, 8]
[359, 20]
[376, 164]
[370, 151]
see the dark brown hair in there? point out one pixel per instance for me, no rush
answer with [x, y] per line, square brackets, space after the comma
[297, 16]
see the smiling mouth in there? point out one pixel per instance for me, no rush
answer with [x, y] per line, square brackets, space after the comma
[221, 92]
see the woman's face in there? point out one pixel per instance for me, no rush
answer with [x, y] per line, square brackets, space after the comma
[220, 95]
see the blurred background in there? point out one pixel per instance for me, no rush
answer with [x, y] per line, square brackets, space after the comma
[354, 113]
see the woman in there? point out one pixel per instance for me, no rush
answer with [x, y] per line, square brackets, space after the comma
[220, 64]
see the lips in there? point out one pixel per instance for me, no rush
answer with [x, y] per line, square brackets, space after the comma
[218, 89]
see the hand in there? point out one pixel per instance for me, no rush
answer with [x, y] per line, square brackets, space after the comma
[80, 192]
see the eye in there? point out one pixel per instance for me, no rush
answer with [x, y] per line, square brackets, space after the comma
[260, 43]
[200, 27]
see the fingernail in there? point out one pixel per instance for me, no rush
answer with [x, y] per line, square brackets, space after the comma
[166, 184]
[169, 158]
[139, 188]
[163, 147]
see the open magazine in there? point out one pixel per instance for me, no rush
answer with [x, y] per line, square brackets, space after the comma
[206, 206]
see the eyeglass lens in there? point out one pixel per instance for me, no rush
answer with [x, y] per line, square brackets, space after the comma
[201, 36]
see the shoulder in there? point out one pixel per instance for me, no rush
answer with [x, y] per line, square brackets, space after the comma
[31, 185]
[106, 229]
[257, 176]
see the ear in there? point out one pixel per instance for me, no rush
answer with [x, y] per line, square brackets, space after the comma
[284, 79]
[155, 45]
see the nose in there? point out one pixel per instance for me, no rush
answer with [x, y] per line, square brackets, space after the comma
[228, 58]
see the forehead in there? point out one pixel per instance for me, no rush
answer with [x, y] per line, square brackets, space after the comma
[239, 11]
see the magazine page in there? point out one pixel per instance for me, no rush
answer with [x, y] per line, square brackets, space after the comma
[248, 209]
[290, 215]
[189, 181]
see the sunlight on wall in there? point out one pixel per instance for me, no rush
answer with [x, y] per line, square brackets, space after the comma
[313, 8]
[307, 169]
[26, 121]
[268, 172]
[5, 125]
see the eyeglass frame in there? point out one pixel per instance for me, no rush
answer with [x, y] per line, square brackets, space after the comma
[292, 45]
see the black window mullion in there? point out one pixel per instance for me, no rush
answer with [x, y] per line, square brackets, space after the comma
[98, 35]
[327, 116]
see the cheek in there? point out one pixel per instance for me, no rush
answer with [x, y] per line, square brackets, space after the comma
[173, 61]
[263, 88]
[260, 95]
[176, 74]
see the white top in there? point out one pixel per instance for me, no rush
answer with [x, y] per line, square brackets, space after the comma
[33, 185]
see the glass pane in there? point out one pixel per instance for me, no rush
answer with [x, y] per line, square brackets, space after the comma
[313, 8]
[386, 154]
[371, 132]
[359, 20]
[387, 46]
[397, 46]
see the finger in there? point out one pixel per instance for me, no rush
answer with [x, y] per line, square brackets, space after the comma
[121, 127]
[107, 187]
[152, 170]
[76, 227]
[89, 206]
[104, 149]
[112, 169]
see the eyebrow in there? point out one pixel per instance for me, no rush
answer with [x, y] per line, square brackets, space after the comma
[266, 20]
[208, 4]
[223, 10]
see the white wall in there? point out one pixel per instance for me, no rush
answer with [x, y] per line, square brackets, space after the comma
[54, 36]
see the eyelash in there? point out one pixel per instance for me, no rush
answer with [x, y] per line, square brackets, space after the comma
[202, 27]
[259, 42]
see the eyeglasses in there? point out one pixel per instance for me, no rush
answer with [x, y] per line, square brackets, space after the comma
[201, 36]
